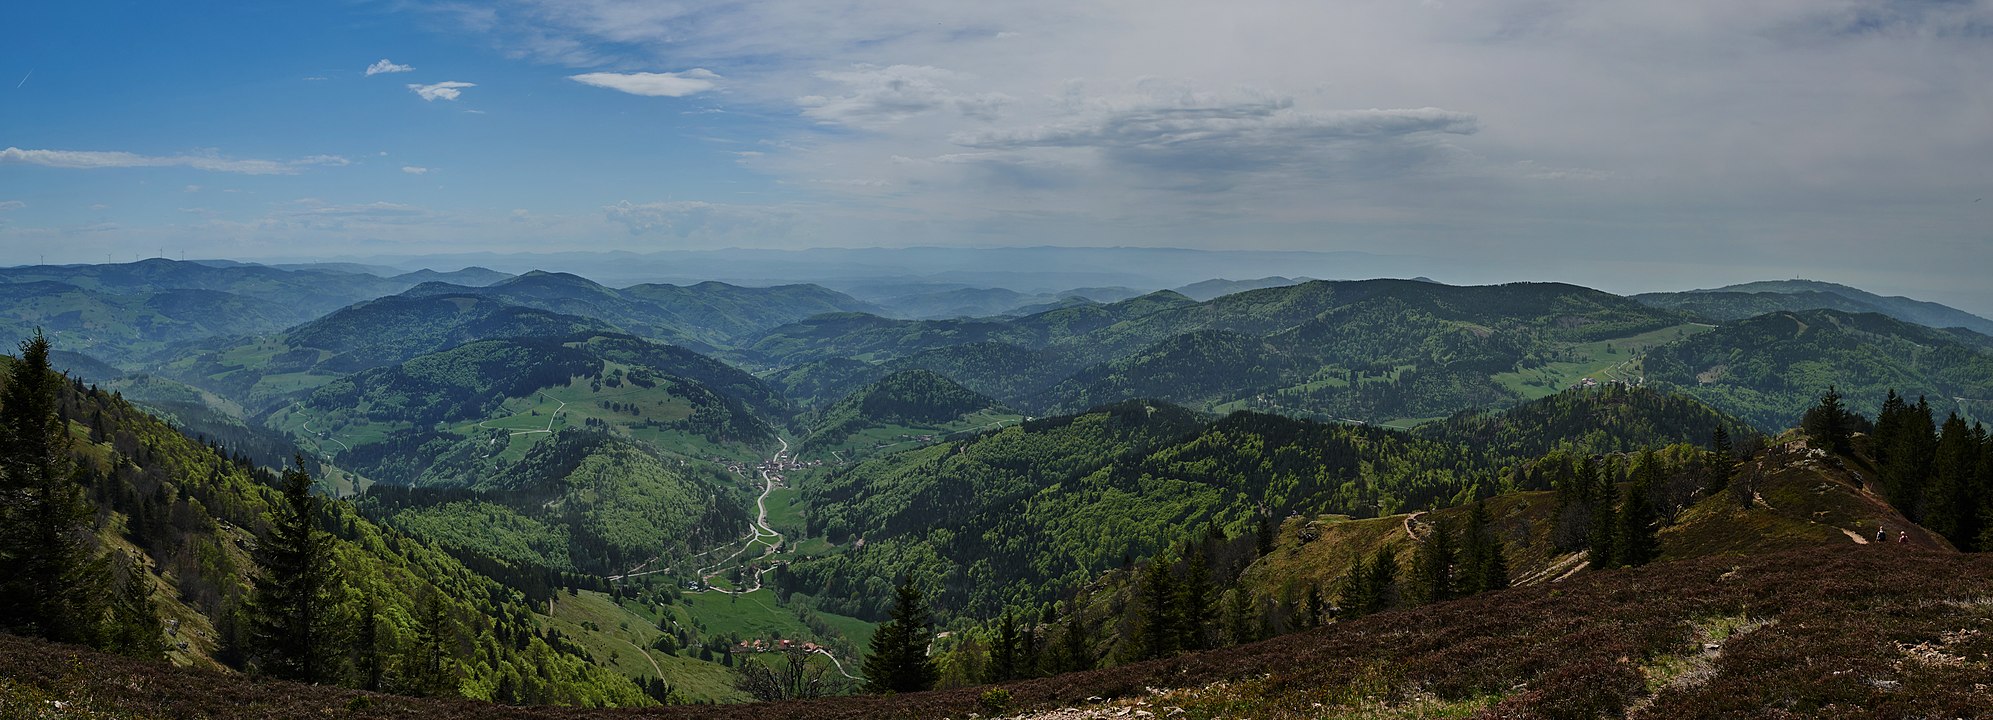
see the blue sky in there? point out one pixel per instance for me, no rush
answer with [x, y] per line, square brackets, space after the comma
[1629, 146]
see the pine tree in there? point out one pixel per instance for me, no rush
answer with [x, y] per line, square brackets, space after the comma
[1003, 651]
[1828, 424]
[1635, 540]
[1156, 627]
[1950, 505]
[133, 626]
[1487, 567]
[1240, 624]
[292, 615]
[1076, 644]
[435, 646]
[1193, 602]
[1605, 518]
[54, 583]
[899, 661]
[1366, 588]
[1314, 608]
[1431, 578]
[367, 650]
[1719, 442]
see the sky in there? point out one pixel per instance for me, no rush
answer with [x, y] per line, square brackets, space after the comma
[1625, 145]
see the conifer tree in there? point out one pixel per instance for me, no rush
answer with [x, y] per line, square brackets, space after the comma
[367, 650]
[1486, 567]
[133, 626]
[1951, 506]
[292, 614]
[1156, 627]
[54, 583]
[1314, 608]
[1635, 540]
[1431, 578]
[1605, 518]
[435, 646]
[899, 662]
[1193, 601]
[1828, 424]
[1240, 624]
[1076, 644]
[1004, 648]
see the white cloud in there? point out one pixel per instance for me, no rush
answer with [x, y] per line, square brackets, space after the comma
[191, 189]
[875, 96]
[386, 66]
[678, 84]
[414, 170]
[446, 90]
[93, 159]
[6, 205]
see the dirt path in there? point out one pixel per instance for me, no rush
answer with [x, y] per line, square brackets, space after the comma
[653, 661]
[1855, 536]
[1410, 531]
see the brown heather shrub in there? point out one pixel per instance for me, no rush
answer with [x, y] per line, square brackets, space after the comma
[1860, 632]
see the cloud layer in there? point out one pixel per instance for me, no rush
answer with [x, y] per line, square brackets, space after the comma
[678, 84]
[446, 90]
[94, 159]
[387, 66]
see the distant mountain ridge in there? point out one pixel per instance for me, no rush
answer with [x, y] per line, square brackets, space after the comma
[1736, 302]
[705, 316]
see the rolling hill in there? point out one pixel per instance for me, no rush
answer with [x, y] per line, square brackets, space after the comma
[262, 372]
[1770, 368]
[707, 316]
[453, 416]
[905, 408]
[1736, 302]
[1370, 350]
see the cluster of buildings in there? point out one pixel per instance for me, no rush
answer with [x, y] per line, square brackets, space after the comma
[758, 645]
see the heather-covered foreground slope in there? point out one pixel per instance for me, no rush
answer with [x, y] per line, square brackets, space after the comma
[1824, 631]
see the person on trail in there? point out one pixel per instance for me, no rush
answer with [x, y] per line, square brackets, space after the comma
[1903, 538]
[1881, 534]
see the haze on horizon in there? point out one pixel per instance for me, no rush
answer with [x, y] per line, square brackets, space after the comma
[1627, 146]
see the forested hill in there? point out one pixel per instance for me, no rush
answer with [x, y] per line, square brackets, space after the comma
[1770, 368]
[1372, 350]
[705, 317]
[1611, 418]
[916, 403]
[1016, 514]
[1736, 302]
[447, 418]
[180, 521]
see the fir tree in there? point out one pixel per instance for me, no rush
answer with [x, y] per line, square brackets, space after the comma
[54, 583]
[1635, 540]
[1240, 624]
[435, 646]
[899, 661]
[367, 650]
[1951, 506]
[1431, 578]
[1156, 627]
[292, 615]
[1004, 647]
[1485, 566]
[1828, 424]
[1314, 608]
[1193, 602]
[133, 626]
[1605, 519]
[1076, 644]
